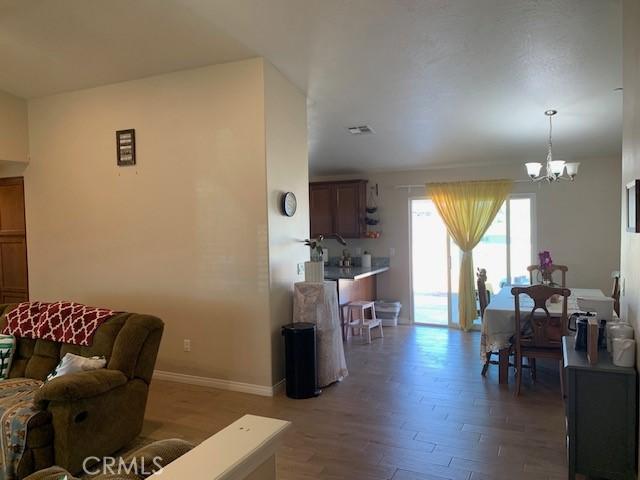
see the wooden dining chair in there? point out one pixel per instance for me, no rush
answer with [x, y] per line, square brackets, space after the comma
[554, 268]
[483, 295]
[483, 299]
[540, 334]
[615, 292]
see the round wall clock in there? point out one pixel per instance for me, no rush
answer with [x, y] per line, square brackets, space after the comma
[289, 204]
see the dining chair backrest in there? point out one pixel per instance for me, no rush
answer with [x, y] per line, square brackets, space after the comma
[483, 295]
[554, 268]
[540, 329]
[615, 292]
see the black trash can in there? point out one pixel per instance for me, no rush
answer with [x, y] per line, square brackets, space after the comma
[300, 360]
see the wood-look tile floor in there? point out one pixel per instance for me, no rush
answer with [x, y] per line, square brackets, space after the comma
[414, 407]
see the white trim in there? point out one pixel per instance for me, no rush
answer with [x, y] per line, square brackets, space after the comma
[219, 383]
[412, 320]
[508, 227]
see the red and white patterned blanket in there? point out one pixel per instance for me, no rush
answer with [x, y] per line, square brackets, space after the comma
[65, 322]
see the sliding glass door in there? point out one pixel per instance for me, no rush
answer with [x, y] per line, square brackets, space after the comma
[431, 277]
[505, 251]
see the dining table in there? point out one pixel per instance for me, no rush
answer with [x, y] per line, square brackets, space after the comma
[498, 321]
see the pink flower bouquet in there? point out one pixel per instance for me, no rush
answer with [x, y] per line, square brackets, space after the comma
[546, 262]
[546, 269]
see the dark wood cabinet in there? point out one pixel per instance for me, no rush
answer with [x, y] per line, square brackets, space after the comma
[14, 284]
[321, 208]
[338, 207]
[601, 408]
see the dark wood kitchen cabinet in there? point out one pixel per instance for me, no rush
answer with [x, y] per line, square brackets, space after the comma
[321, 208]
[14, 283]
[338, 207]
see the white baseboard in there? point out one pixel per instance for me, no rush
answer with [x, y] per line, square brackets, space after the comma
[219, 383]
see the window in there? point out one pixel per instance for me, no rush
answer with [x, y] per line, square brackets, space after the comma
[505, 251]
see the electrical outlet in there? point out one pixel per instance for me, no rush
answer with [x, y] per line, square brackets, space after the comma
[301, 269]
[187, 345]
[358, 251]
[392, 252]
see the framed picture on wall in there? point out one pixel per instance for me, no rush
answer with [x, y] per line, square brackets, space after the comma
[633, 206]
[126, 147]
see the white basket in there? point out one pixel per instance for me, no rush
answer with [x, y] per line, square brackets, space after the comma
[388, 312]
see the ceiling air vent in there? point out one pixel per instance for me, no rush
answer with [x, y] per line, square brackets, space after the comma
[361, 130]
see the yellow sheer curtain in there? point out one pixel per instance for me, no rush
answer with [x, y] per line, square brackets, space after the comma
[468, 208]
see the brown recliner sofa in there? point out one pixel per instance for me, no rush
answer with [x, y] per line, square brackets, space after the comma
[92, 413]
[138, 465]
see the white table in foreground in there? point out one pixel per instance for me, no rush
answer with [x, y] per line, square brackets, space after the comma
[498, 323]
[244, 450]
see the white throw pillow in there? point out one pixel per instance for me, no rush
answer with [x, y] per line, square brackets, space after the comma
[71, 363]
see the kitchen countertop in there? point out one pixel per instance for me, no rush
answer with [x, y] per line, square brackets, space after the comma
[351, 273]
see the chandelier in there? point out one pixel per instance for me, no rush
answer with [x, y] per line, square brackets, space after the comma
[555, 169]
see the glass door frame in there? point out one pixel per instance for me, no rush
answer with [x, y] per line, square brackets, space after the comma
[534, 238]
[450, 323]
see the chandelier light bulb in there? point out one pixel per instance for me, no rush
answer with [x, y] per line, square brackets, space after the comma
[557, 167]
[572, 169]
[533, 169]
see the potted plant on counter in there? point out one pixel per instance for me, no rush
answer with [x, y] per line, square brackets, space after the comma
[314, 269]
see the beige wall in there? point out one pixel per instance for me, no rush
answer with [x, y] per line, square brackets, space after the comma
[630, 251]
[287, 170]
[630, 244]
[184, 234]
[578, 222]
[13, 129]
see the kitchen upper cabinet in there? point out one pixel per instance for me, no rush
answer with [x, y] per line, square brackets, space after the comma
[338, 207]
[350, 209]
[321, 207]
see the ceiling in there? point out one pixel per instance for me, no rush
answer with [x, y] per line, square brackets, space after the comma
[441, 82]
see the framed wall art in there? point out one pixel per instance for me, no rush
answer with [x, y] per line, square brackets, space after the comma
[126, 147]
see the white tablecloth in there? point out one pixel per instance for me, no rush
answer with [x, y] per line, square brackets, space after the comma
[498, 323]
[318, 303]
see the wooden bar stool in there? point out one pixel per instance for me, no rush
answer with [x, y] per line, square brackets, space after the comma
[361, 323]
